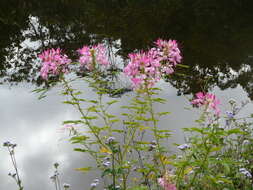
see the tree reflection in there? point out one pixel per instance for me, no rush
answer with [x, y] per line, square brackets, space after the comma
[215, 36]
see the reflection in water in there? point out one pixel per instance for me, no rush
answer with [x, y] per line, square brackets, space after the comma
[215, 36]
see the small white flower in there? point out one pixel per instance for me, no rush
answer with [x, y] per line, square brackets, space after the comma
[106, 163]
[245, 172]
[110, 140]
[183, 146]
[246, 142]
[93, 184]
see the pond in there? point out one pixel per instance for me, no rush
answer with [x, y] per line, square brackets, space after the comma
[215, 38]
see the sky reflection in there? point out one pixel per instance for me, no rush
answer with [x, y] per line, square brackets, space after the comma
[35, 125]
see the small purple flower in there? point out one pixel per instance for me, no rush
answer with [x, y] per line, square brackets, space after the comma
[183, 146]
[230, 114]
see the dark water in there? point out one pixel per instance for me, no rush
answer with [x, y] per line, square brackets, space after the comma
[215, 37]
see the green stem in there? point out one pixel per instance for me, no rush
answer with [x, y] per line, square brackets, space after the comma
[155, 127]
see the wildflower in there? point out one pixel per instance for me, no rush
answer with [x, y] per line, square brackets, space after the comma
[143, 69]
[90, 55]
[245, 172]
[246, 142]
[7, 143]
[147, 68]
[107, 158]
[229, 114]
[53, 62]
[208, 100]
[66, 185]
[152, 145]
[94, 183]
[165, 184]
[106, 163]
[110, 140]
[183, 146]
[169, 51]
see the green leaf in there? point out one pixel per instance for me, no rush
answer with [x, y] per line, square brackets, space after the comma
[70, 102]
[89, 117]
[184, 66]
[235, 131]
[112, 102]
[163, 113]
[160, 100]
[83, 169]
[72, 122]
[80, 150]
[106, 172]
[79, 139]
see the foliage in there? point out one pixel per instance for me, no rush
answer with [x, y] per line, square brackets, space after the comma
[130, 150]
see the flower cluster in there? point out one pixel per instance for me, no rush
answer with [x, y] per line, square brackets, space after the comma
[143, 68]
[165, 184]
[207, 99]
[90, 55]
[53, 62]
[169, 51]
[147, 68]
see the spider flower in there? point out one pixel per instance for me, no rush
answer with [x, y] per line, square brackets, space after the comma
[207, 99]
[165, 184]
[90, 55]
[169, 51]
[143, 68]
[53, 62]
[147, 68]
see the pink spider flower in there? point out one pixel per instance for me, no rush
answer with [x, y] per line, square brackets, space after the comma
[170, 51]
[166, 184]
[147, 68]
[97, 52]
[53, 62]
[207, 99]
[143, 68]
